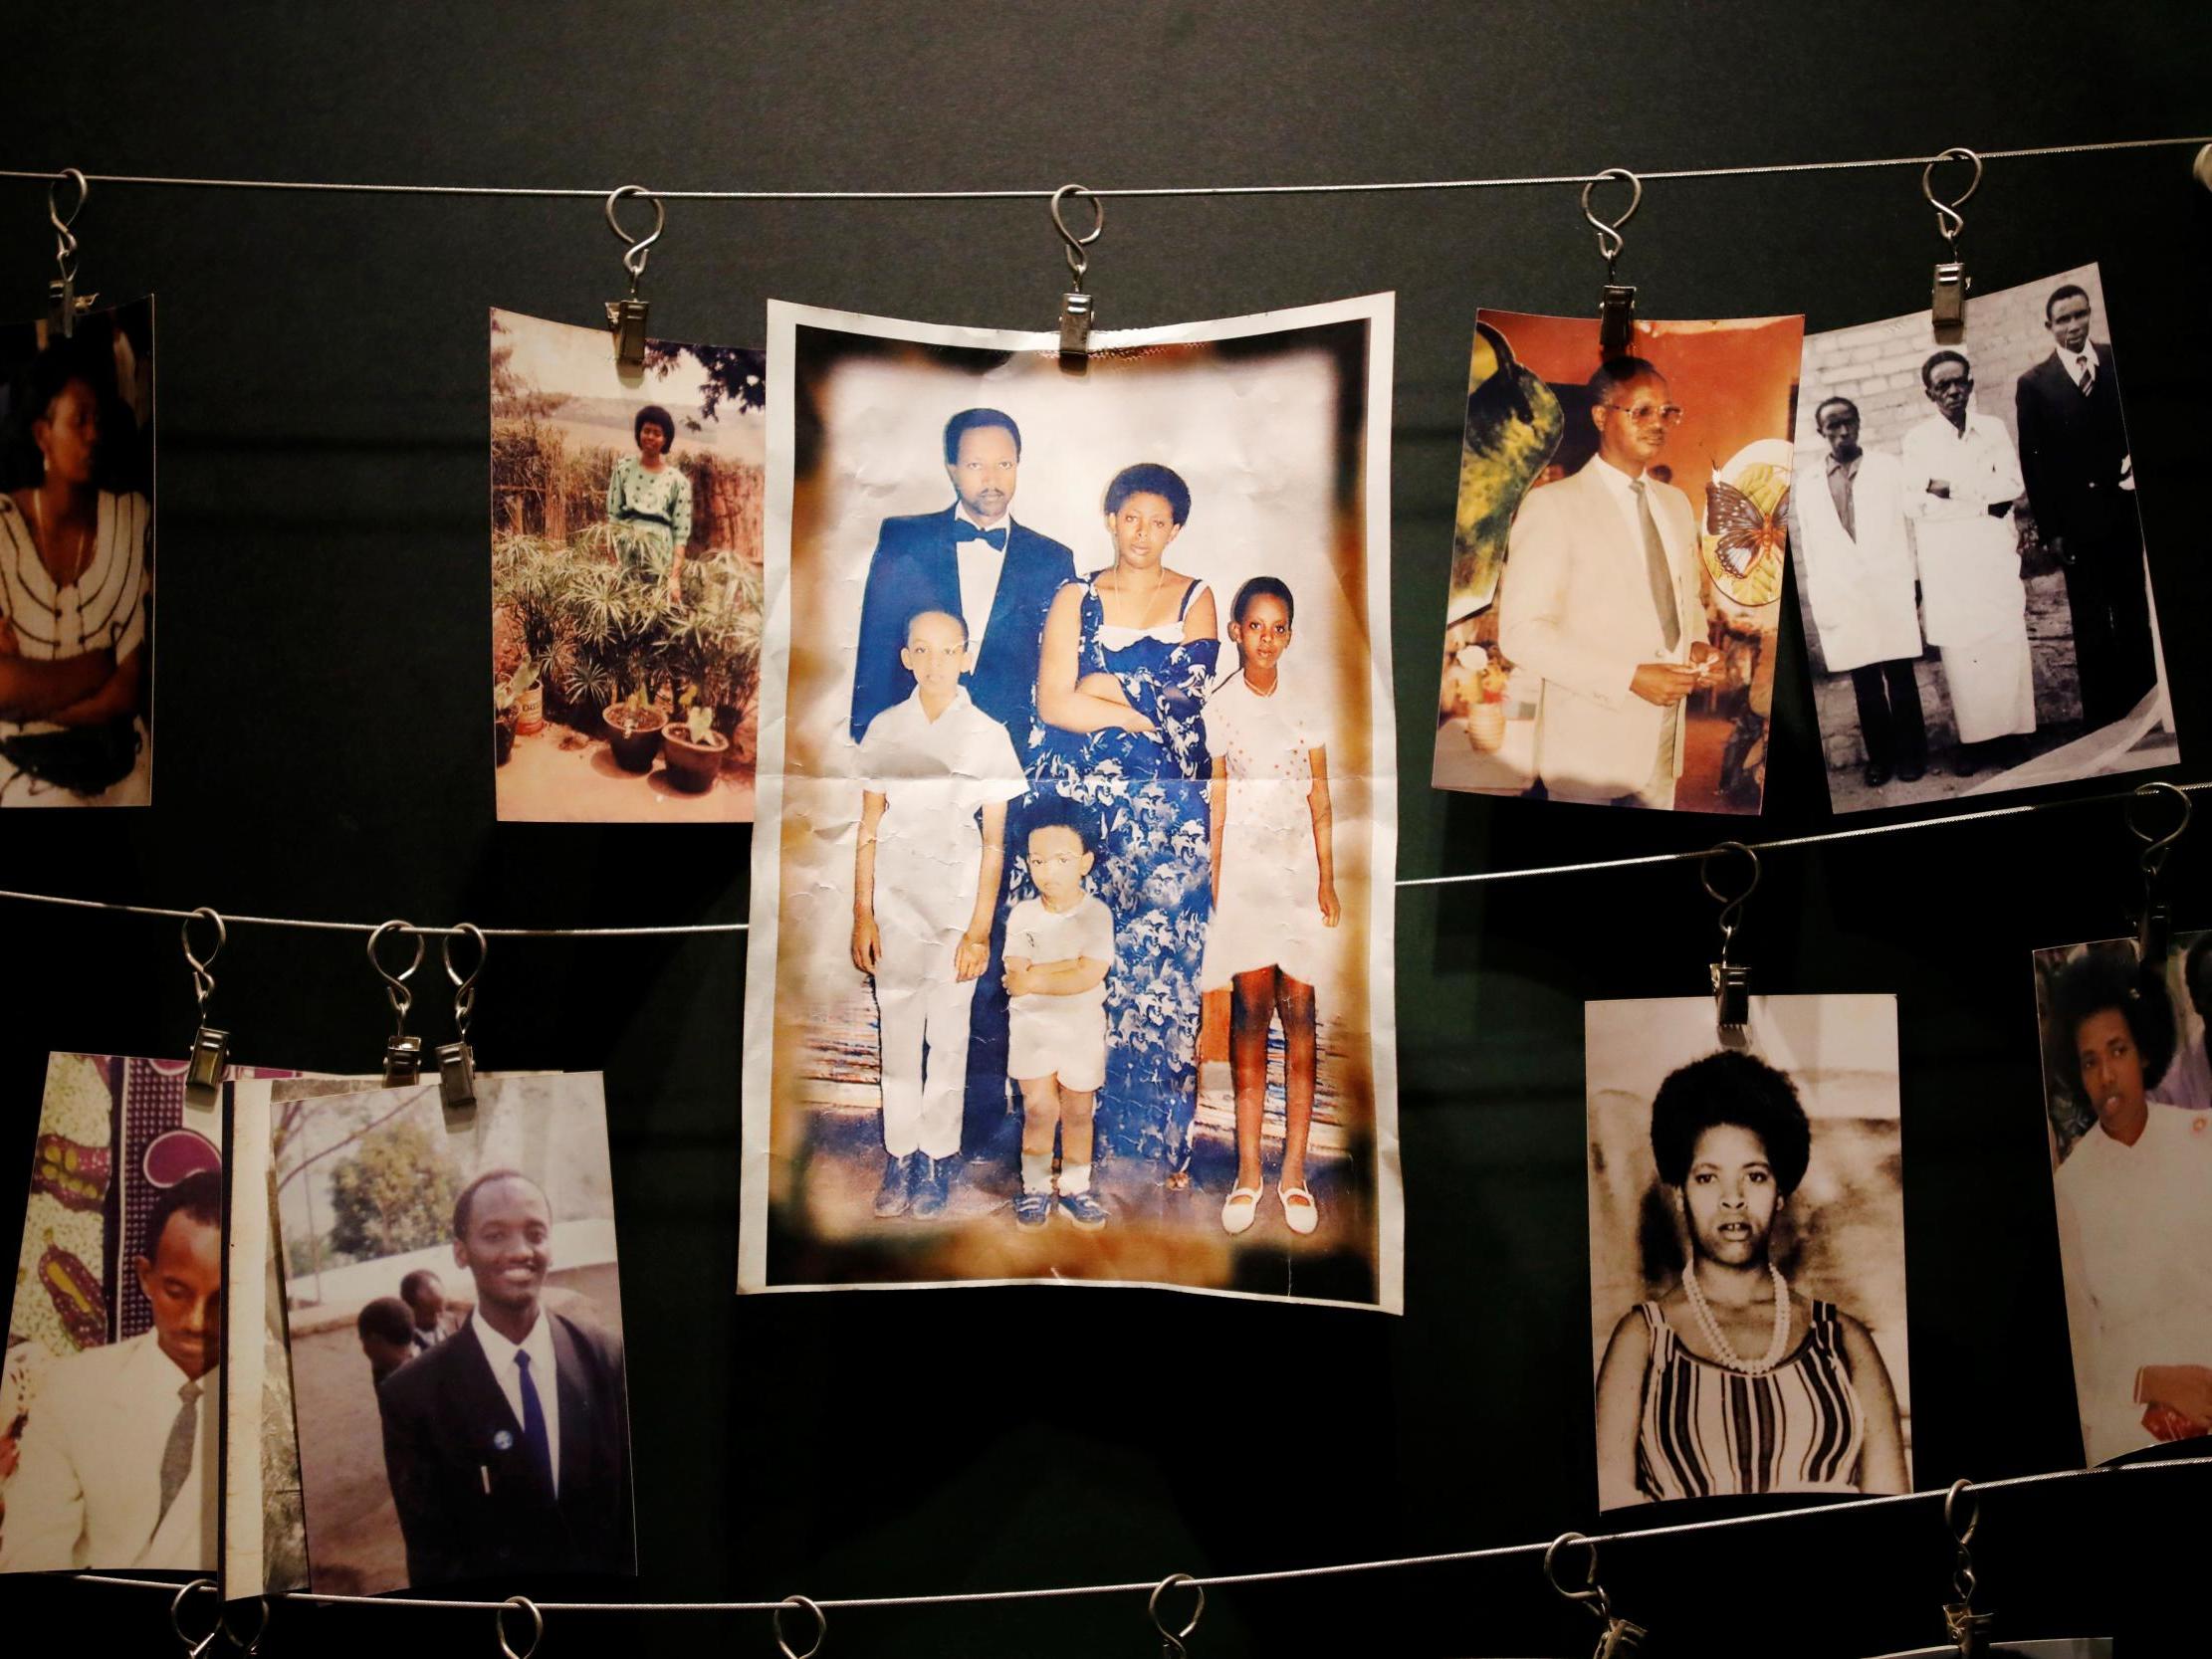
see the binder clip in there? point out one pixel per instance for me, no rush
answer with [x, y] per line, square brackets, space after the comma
[210, 1055]
[1967, 1629]
[1947, 300]
[64, 304]
[403, 1052]
[1616, 300]
[456, 1064]
[1171, 1641]
[1618, 1635]
[1076, 305]
[626, 318]
[1731, 980]
[2155, 923]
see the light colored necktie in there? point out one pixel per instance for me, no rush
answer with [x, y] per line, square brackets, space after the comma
[2088, 376]
[176, 1456]
[1661, 572]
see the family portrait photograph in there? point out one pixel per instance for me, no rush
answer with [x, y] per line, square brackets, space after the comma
[625, 577]
[77, 560]
[455, 1319]
[1071, 934]
[1969, 555]
[1747, 1288]
[1617, 563]
[2128, 1100]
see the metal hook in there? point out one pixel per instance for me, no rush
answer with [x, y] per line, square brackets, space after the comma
[464, 985]
[1078, 262]
[456, 1063]
[635, 257]
[1616, 301]
[1171, 1641]
[537, 1626]
[1619, 1636]
[1966, 1627]
[396, 985]
[1732, 909]
[176, 1619]
[1731, 981]
[250, 1644]
[1950, 284]
[1610, 239]
[822, 1627]
[1948, 220]
[2153, 858]
[64, 238]
[203, 982]
[210, 1056]
[628, 318]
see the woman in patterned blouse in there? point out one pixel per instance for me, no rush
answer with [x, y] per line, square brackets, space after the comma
[650, 496]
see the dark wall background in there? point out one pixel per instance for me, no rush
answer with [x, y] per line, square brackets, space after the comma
[323, 636]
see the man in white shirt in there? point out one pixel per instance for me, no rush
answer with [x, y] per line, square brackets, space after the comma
[1960, 480]
[1601, 600]
[117, 1456]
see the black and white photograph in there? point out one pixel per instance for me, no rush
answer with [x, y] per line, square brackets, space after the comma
[455, 1320]
[2128, 1100]
[1747, 1310]
[1071, 940]
[1969, 553]
[77, 560]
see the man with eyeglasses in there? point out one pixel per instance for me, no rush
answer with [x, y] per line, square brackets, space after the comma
[2081, 489]
[1601, 600]
[1961, 482]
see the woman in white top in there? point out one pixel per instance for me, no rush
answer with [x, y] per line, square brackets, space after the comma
[649, 496]
[74, 585]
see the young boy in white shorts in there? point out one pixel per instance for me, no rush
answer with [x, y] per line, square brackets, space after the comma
[1059, 946]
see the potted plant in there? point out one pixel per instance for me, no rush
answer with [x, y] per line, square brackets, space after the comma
[617, 634]
[714, 647]
[526, 690]
[633, 728]
[503, 723]
[529, 580]
[694, 750]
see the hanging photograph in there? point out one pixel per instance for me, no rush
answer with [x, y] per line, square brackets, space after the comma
[2075, 1647]
[1072, 943]
[455, 1321]
[76, 561]
[625, 577]
[1747, 1302]
[2128, 1095]
[1970, 568]
[1617, 563]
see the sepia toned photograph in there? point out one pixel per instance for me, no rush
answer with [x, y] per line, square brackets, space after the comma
[1617, 563]
[455, 1319]
[77, 560]
[1070, 952]
[1970, 556]
[2128, 1100]
[625, 577]
[1748, 1311]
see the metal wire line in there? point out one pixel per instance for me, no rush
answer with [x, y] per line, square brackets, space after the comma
[1505, 1551]
[1011, 194]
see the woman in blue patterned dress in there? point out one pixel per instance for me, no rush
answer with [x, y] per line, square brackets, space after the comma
[649, 496]
[1127, 658]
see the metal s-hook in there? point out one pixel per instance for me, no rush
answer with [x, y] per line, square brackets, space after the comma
[627, 318]
[210, 1056]
[1616, 301]
[1076, 305]
[194, 1649]
[1171, 1641]
[64, 302]
[456, 1062]
[403, 1052]
[783, 1642]
[524, 1604]
[1967, 1628]
[2154, 925]
[247, 1645]
[1731, 981]
[1618, 1635]
[1948, 297]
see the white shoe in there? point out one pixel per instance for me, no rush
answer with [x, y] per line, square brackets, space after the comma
[1240, 1209]
[1299, 1212]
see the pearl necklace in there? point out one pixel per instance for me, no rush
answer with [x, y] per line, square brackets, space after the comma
[1723, 1349]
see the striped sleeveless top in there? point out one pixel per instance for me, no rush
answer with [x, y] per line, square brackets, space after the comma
[1707, 1431]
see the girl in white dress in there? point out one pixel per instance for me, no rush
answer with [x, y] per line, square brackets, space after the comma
[1274, 891]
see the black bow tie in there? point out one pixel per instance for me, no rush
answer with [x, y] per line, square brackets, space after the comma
[965, 532]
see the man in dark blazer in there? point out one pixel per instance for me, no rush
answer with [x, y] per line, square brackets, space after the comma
[2081, 491]
[508, 1445]
[970, 560]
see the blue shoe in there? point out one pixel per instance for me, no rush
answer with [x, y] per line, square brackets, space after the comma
[1032, 1210]
[897, 1191]
[1086, 1209]
[931, 1175]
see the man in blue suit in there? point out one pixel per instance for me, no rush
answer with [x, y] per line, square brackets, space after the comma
[971, 560]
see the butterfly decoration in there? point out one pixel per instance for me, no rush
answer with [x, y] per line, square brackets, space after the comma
[1743, 534]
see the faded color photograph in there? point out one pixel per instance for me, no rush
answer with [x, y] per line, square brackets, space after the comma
[625, 577]
[1747, 1310]
[455, 1319]
[1617, 563]
[1969, 554]
[1072, 946]
[76, 561]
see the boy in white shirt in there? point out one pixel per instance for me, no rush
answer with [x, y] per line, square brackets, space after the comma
[1059, 946]
[936, 775]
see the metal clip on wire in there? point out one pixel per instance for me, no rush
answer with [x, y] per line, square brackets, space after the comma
[1947, 299]
[210, 1056]
[1618, 1635]
[456, 1064]
[194, 1647]
[627, 318]
[1616, 301]
[64, 304]
[1969, 1629]
[1076, 305]
[403, 1052]
[1731, 980]
[822, 1627]
[247, 1646]
[527, 1607]
[1171, 1641]
[2154, 925]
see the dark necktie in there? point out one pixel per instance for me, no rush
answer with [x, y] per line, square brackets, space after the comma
[176, 1456]
[2088, 376]
[1662, 573]
[965, 532]
[533, 1424]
